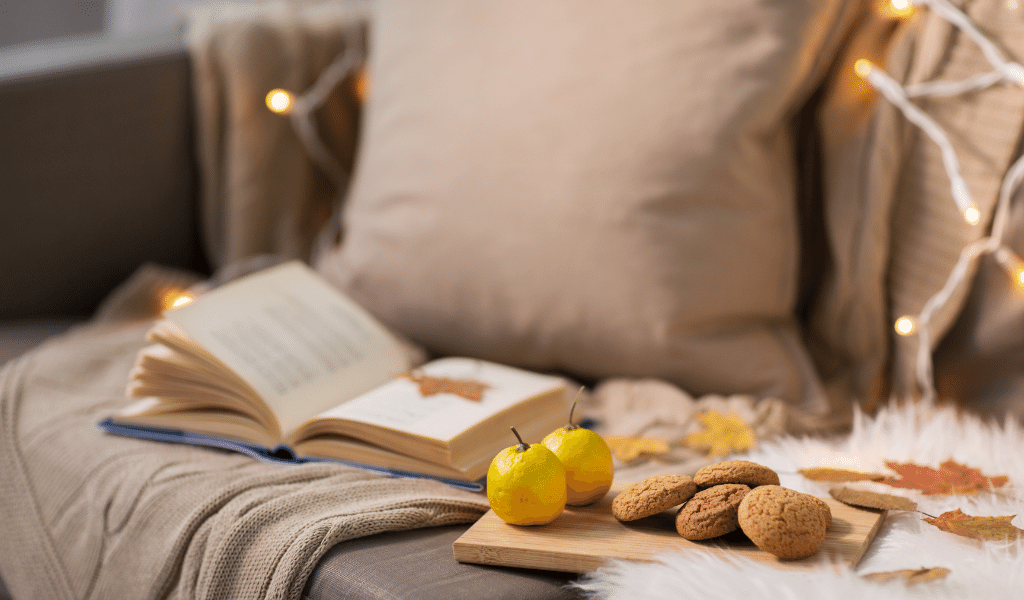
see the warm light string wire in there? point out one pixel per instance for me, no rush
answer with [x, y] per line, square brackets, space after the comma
[1004, 71]
[306, 104]
[301, 109]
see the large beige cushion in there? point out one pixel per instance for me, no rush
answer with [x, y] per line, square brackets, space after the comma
[601, 187]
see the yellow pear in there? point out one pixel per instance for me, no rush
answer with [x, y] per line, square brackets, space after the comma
[526, 484]
[587, 460]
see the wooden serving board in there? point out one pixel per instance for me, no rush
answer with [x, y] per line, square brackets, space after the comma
[582, 539]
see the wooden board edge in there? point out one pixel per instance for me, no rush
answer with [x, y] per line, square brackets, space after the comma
[527, 559]
[870, 537]
[470, 549]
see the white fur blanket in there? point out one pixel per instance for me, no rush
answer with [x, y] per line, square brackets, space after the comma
[913, 433]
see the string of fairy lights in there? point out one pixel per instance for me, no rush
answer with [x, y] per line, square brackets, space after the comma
[301, 110]
[1004, 72]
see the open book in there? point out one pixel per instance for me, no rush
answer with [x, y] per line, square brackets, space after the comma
[281, 365]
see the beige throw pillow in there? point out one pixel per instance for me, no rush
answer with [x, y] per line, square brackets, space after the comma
[600, 187]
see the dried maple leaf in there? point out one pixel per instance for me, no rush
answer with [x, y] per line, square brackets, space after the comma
[831, 474]
[869, 499]
[950, 478]
[995, 529]
[910, 575]
[627, 448]
[722, 435]
[470, 389]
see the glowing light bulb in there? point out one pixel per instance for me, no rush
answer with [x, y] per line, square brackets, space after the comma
[1012, 264]
[177, 298]
[896, 9]
[181, 301]
[863, 67]
[362, 84]
[279, 101]
[905, 325]
[972, 215]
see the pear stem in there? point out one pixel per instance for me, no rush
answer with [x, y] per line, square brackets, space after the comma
[523, 446]
[570, 426]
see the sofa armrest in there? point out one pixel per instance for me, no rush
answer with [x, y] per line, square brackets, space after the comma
[98, 174]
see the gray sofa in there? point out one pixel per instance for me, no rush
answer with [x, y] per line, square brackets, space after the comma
[98, 177]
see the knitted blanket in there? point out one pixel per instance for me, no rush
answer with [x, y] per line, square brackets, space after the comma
[88, 515]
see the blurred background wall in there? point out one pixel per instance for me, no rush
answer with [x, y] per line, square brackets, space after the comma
[29, 21]
[24, 21]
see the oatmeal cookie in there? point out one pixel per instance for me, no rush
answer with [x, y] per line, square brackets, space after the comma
[652, 495]
[711, 512]
[825, 510]
[784, 522]
[736, 471]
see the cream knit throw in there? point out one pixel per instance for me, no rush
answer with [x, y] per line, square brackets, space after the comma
[88, 515]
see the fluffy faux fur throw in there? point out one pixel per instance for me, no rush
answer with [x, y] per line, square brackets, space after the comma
[909, 433]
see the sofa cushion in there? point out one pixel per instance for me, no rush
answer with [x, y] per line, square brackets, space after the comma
[97, 173]
[604, 188]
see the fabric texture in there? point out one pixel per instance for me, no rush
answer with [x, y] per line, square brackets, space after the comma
[892, 228]
[87, 515]
[262, 192]
[980, 363]
[598, 187]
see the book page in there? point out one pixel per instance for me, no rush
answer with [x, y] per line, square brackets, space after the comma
[301, 344]
[400, 405]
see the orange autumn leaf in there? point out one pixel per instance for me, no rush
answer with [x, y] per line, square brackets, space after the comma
[470, 389]
[994, 529]
[833, 474]
[950, 478]
[722, 435]
[626, 448]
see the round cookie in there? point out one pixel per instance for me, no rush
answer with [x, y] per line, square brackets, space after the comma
[652, 495]
[784, 522]
[825, 510]
[735, 471]
[711, 512]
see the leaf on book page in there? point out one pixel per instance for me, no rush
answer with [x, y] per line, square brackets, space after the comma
[470, 389]
[722, 435]
[869, 499]
[837, 475]
[993, 529]
[910, 576]
[627, 448]
[950, 478]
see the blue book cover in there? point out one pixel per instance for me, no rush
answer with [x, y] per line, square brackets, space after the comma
[281, 455]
